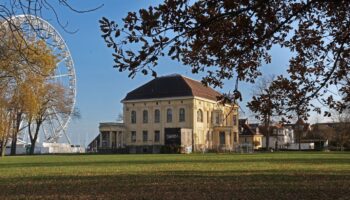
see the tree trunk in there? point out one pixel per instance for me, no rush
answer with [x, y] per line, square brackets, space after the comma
[299, 132]
[15, 133]
[14, 144]
[5, 138]
[32, 147]
[267, 128]
[3, 148]
[267, 138]
[34, 139]
[299, 137]
[32, 144]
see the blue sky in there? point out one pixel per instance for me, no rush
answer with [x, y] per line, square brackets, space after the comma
[100, 87]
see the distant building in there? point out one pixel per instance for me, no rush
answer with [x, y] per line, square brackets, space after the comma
[249, 134]
[286, 136]
[172, 113]
[300, 126]
[282, 137]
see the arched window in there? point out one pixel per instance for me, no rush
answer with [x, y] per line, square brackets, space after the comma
[169, 115]
[145, 116]
[133, 117]
[182, 115]
[199, 115]
[156, 116]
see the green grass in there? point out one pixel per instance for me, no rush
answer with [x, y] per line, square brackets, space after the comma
[197, 176]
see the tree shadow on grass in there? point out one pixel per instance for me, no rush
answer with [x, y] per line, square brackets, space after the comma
[182, 185]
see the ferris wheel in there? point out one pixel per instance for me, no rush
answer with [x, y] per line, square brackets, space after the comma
[33, 27]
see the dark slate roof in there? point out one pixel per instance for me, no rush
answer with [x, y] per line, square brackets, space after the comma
[245, 128]
[172, 86]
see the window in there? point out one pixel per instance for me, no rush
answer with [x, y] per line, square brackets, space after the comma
[235, 136]
[199, 115]
[217, 118]
[222, 138]
[156, 116]
[144, 136]
[234, 120]
[169, 115]
[208, 121]
[133, 117]
[181, 115]
[145, 116]
[156, 136]
[133, 136]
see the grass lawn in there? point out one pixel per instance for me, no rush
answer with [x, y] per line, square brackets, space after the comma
[196, 176]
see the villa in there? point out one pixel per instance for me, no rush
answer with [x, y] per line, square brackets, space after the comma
[171, 114]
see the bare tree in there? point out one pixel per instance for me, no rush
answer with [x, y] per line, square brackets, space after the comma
[266, 103]
[341, 134]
